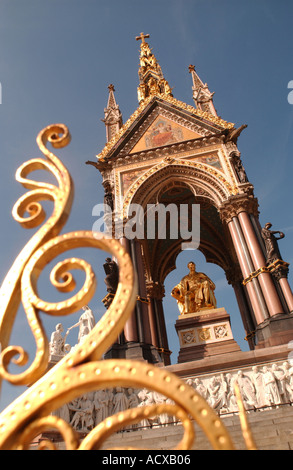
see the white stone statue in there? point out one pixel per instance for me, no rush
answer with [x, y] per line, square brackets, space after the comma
[57, 344]
[86, 323]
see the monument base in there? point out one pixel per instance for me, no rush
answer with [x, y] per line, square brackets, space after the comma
[134, 351]
[205, 333]
[275, 331]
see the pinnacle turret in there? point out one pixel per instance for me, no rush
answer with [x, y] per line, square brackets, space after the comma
[202, 96]
[151, 78]
[113, 117]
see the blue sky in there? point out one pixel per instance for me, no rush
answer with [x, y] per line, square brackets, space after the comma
[57, 58]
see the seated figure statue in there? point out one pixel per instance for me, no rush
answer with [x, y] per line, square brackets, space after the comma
[194, 292]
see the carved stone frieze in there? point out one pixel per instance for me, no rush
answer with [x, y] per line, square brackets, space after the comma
[262, 387]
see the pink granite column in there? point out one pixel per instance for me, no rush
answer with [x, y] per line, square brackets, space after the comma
[153, 325]
[267, 285]
[162, 332]
[286, 289]
[144, 332]
[258, 310]
[247, 320]
[130, 327]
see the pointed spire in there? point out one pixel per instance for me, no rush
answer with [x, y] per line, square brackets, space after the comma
[151, 78]
[113, 117]
[202, 96]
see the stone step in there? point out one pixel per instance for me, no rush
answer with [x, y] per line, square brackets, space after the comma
[272, 429]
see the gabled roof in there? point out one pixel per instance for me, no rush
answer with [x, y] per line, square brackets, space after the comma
[210, 123]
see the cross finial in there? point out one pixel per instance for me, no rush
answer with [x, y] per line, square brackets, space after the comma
[142, 37]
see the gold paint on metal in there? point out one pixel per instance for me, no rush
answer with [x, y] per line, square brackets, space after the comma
[266, 269]
[62, 196]
[246, 431]
[120, 420]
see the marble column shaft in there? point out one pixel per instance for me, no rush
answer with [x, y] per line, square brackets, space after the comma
[253, 287]
[267, 285]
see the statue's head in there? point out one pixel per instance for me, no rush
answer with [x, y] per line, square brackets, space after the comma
[191, 266]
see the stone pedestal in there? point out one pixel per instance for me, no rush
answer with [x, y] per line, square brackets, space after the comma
[205, 333]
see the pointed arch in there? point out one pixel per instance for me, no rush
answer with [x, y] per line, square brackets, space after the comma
[184, 182]
[202, 179]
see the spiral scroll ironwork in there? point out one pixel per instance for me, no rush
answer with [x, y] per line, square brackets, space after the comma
[82, 370]
[62, 196]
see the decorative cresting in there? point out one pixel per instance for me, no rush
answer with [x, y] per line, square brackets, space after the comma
[82, 370]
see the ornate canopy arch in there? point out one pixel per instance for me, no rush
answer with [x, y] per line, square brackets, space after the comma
[200, 178]
[180, 183]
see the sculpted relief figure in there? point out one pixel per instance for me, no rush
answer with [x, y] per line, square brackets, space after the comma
[271, 389]
[217, 389]
[257, 378]
[247, 390]
[101, 405]
[194, 292]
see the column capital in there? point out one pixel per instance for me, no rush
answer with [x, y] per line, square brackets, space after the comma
[155, 290]
[236, 204]
[234, 275]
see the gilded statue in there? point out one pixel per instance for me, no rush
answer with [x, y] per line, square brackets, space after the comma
[194, 292]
